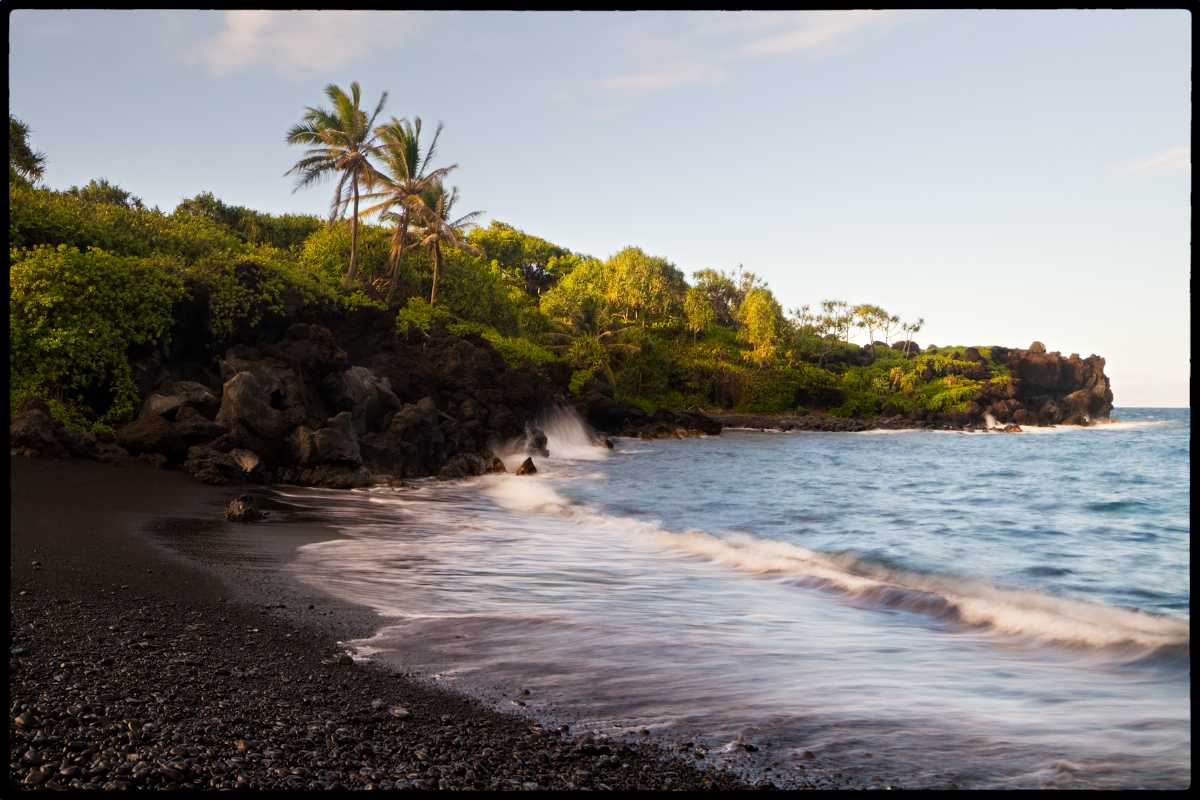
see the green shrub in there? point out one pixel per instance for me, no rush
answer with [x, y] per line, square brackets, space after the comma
[418, 313]
[73, 317]
[45, 217]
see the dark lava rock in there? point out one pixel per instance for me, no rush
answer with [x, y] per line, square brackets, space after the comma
[243, 509]
[207, 464]
[169, 399]
[535, 442]
[527, 467]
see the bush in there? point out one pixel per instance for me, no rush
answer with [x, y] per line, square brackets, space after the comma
[74, 316]
[45, 217]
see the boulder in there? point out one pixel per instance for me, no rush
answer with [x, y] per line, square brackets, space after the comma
[1050, 413]
[249, 412]
[1011, 428]
[366, 396]
[193, 428]
[527, 467]
[208, 464]
[168, 399]
[412, 446]
[1024, 416]
[152, 433]
[464, 465]
[243, 509]
[495, 464]
[310, 350]
[337, 442]
[1037, 347]
[33, 431]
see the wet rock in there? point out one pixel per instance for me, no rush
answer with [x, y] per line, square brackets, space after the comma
[465, 465]
[243, 509]
[1011, 428]
[535, 442]
[527, 467]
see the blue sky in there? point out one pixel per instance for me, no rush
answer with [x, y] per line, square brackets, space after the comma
[1008, 176]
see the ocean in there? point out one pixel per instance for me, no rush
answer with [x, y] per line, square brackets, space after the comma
[908, 608]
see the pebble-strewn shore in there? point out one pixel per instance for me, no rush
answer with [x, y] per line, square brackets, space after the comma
[133, 668]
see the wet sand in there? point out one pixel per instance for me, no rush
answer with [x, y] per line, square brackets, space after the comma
[155, 645]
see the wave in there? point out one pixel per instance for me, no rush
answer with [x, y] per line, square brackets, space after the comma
[974, 603]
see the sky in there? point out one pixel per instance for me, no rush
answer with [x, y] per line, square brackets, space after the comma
[1009, 176]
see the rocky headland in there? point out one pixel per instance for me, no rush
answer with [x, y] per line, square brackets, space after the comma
[353, 402]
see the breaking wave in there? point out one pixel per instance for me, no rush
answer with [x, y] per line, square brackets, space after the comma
[1021, 613]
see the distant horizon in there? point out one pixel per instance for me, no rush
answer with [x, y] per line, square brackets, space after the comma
[1010, 176]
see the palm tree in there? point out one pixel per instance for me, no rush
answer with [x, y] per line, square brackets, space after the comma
[341, 140]
[591, 338]
[25, 165]
[434, 227]
[911, 328]
[403, 178]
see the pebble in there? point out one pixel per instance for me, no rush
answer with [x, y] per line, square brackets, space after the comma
[163, 699]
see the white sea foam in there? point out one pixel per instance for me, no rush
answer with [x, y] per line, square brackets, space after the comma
[1016, 612]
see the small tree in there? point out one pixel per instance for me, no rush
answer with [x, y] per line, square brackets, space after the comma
[762, 324]
[911, 329]
[101, 191]
[436, 228]
[869, 318]
[698, 311]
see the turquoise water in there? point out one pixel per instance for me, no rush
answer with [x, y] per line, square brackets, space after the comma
[912, 608]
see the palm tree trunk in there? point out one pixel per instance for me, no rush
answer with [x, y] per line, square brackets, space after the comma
[437, 263]
[353, 238]
[396, 261]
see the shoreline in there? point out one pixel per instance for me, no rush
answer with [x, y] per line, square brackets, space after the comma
[824, 423]
[136, 664]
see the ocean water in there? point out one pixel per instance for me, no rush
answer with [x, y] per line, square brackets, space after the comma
[909, 608]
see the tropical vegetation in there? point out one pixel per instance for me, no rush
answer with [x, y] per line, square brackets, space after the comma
[96, 275]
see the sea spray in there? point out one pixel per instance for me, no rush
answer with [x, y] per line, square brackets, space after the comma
[568, 438]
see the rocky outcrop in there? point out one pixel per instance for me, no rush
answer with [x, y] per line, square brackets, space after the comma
[1047, 388]
[615, 418]
[346, 405]
[34, 432]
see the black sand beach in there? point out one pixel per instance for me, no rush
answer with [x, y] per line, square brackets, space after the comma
[150, 648]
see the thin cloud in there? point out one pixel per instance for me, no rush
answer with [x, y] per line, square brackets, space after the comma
[704, 48]
[816, 30]
[302, 41]
[659, 79]
[1172, 160]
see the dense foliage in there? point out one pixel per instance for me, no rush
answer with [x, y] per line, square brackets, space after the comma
[96, 275]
